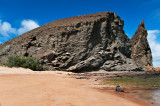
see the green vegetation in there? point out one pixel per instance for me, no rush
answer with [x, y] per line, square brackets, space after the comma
[150, 81]
[25, 62]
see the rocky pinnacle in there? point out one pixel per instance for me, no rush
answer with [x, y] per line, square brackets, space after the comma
[141, 52]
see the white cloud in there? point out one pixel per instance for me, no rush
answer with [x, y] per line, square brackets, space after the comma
[6, 28]
[155, 46]
[27, 25]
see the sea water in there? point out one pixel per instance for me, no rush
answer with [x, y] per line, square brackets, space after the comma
[156, 97]
[152, 96]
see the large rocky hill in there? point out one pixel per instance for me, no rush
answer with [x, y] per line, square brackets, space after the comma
[81, 43]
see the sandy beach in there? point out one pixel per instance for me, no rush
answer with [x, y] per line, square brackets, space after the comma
[23, 87]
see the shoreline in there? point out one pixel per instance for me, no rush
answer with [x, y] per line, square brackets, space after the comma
[133, 95]
[128, 96]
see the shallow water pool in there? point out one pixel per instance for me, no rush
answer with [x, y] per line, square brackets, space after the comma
[156, 96]
[152, 96]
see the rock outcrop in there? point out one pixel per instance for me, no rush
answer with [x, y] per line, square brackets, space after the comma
[141, 52]
[81, 43]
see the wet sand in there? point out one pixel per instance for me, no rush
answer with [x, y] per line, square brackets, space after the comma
[21, 87]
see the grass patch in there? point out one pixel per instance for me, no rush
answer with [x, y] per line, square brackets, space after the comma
[150, 81]
[25, 62]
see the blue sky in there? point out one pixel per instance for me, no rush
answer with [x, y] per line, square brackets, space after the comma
[19, 16]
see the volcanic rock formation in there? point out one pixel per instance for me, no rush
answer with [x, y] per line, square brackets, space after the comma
[81, 43]
[141, 52]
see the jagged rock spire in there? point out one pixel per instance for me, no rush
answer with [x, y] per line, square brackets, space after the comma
[142, 24]
[141, 52]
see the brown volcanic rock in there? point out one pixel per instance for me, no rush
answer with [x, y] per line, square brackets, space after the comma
[149, 68]
[141, 52]
[157, 69]
[87, 42]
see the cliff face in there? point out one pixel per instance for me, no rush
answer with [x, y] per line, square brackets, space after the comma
[141, 52]
[81, 43]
